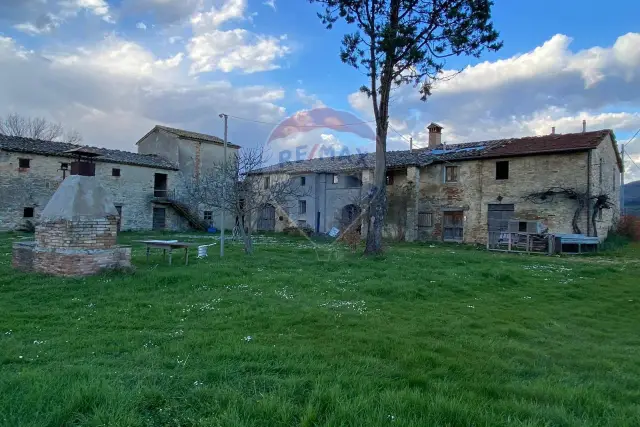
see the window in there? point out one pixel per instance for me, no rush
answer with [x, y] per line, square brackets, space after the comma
[389, 178]
[451, 174]
[425, 219]
[64, 166]
[303, 181]
[208, 217]
[502, 170]
[334, 178]
[27, 213]
[522, 227]
[266, 182]
[353, 182]
[115, 172]
[302, 207]
[24, 163]
[600, 214]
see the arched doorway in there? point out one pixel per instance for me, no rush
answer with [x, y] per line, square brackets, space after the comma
[267, 218]
[350, 214]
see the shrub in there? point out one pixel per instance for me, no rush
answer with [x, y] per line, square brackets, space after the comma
[629, 226]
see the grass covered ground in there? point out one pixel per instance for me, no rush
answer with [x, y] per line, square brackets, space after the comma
[299, 335]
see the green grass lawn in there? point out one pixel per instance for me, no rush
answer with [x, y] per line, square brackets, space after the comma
[299, 335]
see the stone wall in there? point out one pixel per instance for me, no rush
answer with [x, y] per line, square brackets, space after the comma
[33, 187]
[605, 180]
[79, 233]
[477, 187]
[80, 262]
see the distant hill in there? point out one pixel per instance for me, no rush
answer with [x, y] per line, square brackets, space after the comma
[632, 198]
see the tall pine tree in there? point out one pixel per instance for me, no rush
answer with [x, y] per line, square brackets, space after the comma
[401, 42]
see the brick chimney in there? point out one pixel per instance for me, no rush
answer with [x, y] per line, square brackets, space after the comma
[435, 135]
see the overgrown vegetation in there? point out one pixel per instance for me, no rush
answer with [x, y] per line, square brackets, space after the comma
[629, 227]
[299, 335]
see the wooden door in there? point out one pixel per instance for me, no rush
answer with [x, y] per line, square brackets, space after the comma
[267, 218]
[453, 230]
[159, 218]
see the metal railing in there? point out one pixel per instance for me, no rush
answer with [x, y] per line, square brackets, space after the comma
[519, 242]
[164, 193]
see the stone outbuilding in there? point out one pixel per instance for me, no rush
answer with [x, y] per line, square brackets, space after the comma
[76, 234]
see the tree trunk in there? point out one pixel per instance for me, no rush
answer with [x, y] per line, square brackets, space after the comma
[246, 237]
[378, 204]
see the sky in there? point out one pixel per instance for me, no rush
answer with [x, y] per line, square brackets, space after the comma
[112, 69]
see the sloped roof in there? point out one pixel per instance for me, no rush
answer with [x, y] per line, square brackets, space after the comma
[61, 149]
[196, 136]
[510, 147]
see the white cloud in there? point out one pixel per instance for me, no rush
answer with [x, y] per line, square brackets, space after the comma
[96, 7]
[230, 10]
[42, 25]
[270, 3]
[115, 91]
[526, 94]
[141, 26]
[309, 100]
[236, 49]
[172, 62]
[163, 11]
[175, 39]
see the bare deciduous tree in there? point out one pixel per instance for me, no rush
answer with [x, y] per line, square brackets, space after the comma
[14, 124]
[245, 193]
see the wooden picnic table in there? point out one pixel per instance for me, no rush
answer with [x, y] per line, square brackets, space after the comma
[170, 245]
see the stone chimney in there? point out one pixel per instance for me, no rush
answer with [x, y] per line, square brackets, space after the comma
[435, 135]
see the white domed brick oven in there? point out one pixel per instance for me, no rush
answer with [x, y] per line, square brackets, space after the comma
[77, 231]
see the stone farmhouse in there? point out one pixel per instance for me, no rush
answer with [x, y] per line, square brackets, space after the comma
[461, 192]
[145, 186]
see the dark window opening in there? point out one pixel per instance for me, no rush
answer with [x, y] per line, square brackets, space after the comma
[425, 219]
[266, 182]
[451, 174]
[522, 227]
[303, 181]
[208, 217]
[502, 170]
[302, 206]
[335, 178]
[353, 182]
[24, 163]
[27, 213]
[389, 178]
[64, 166]
[160, 185]
[115, 172]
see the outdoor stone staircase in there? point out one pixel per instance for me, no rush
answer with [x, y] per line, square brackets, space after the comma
[170, 198]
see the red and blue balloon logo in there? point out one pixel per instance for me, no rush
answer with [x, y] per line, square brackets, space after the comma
[323, 118]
